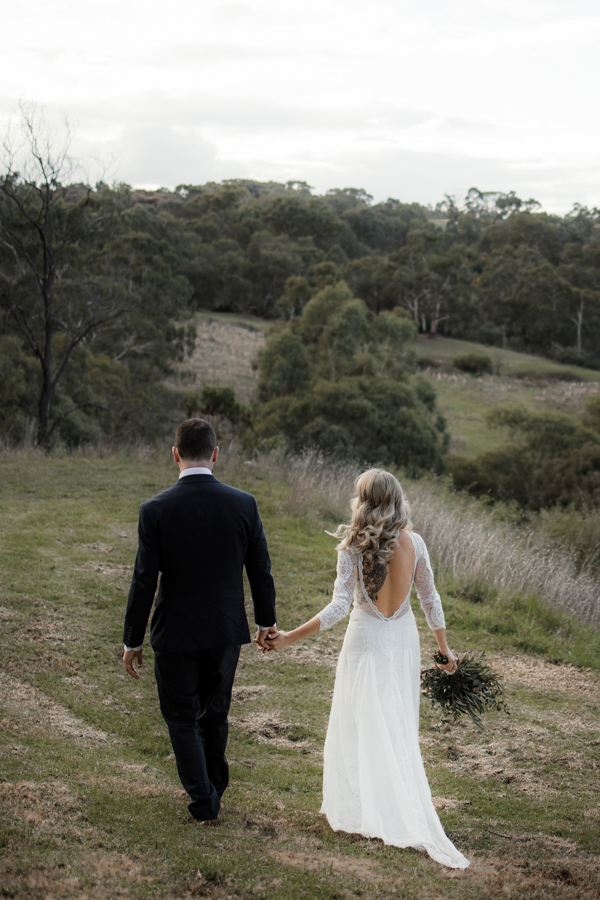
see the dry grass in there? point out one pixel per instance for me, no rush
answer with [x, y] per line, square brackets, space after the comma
[461, 534]
[465, 539]
[223, 354]
[82, 817]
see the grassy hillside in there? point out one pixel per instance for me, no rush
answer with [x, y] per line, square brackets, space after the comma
[519, 378]
[91, 803]
[441, 351]
[227, 344]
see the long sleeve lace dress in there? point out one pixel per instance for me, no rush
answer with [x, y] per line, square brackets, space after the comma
[374, 782]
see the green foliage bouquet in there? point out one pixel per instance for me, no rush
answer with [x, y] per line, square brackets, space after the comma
[471, 690]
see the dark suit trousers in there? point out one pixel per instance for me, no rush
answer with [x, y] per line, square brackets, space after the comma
[194, 690]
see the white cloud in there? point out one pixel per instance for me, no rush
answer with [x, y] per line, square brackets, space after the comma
[395, 94]
[160, 155]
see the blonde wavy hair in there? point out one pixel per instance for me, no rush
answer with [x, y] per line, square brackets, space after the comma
[380, 511]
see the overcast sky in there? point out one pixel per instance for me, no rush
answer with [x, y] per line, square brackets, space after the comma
[410, 99]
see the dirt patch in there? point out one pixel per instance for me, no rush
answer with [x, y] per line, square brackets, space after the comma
[544, 676]
[315, 861]
[248, 692]
[144, 781]
[446, 803]
[515, 876]
[268, 728]
[98, 547]
[41, 624]
[316, 654]
[100, 875]
[80, 684]
[48, 803]
[109, 570]
[26, 702]
[514, 759]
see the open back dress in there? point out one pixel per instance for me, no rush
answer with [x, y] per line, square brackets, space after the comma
[374, 782]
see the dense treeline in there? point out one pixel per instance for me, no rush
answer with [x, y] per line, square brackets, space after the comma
[495, 270]
[96, 285]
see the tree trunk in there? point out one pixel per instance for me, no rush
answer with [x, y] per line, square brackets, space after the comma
[44, 412]
[579, 323]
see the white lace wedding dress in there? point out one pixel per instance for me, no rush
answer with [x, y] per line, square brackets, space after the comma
[374, 782]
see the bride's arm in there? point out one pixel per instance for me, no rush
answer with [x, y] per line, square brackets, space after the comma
[440, 636]
[343, 593]
[283, 639]
[432, 605]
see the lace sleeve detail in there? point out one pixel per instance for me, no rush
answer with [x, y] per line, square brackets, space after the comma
[426, 591]
[343, 591]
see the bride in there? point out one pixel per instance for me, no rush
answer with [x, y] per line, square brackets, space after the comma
[374, 782]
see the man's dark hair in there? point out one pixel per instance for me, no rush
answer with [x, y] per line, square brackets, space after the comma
[195, 440]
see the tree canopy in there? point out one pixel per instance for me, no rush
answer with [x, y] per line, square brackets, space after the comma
[340, 378]
[97, 283]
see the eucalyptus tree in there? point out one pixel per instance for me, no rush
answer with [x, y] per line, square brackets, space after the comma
[86, 285]
[47, 229]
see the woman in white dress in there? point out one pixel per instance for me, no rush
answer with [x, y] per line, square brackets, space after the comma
[374, 782]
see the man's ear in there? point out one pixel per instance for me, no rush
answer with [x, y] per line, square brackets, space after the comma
[176, 455]
[215, 454]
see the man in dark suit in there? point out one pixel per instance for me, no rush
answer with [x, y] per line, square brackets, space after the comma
[199, 534]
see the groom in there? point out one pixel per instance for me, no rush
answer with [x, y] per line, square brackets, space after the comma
[199, 534]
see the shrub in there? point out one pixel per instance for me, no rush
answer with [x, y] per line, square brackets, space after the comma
[378, 420]
[339, 379]
[474, 363]
[552, 460]
[570, 356]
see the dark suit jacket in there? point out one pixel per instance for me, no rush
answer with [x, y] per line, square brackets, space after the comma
[199, 534]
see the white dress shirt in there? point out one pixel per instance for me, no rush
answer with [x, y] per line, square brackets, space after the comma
[201, 470]
[195, 470]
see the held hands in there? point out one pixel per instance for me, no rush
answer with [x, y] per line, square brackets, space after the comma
[279, 641]
[261, 638]
[271, 639]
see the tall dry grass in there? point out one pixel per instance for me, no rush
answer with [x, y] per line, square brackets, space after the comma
[467, 540]
[461, 534]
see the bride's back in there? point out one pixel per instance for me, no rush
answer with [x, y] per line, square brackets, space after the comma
[398, 578]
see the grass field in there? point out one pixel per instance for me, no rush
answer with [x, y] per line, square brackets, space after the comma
[441, 351]
[91, 803]
[519, 378]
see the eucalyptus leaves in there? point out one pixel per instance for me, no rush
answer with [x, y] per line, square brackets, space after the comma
[471, 690]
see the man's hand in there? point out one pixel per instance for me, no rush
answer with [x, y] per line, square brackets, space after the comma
[261, 638]
[128, 658]
[279, 641]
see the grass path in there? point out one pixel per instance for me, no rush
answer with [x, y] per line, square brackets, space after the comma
[91, 806]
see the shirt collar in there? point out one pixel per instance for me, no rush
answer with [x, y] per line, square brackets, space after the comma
[195, 470]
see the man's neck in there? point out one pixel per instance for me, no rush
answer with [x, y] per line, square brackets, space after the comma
[197, 464]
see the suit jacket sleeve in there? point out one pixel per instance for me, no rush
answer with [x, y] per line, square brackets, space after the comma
[258, 569]
[143, 583]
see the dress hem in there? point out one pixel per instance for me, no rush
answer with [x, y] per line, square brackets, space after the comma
[435, 856]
